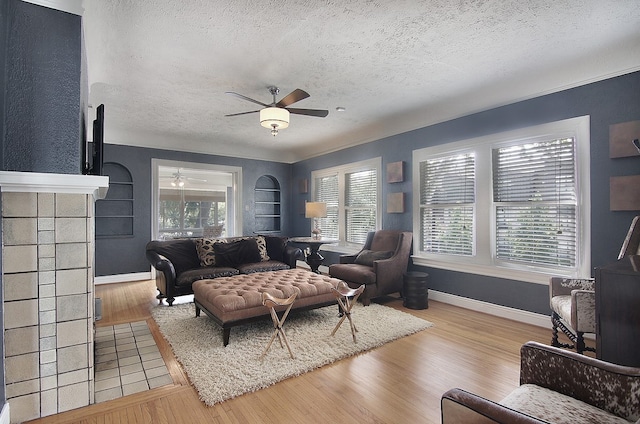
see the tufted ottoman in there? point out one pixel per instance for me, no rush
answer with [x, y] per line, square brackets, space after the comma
[237, 300]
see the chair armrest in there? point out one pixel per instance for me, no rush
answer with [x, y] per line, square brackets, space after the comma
[389, 273]
[348, 259]
[559, 286]
[161, 263]
[459, 406]
[292, 254]
[583, 310]
[610, 387]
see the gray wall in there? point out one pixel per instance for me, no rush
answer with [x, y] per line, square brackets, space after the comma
[126, 255]
[43, 130]
[607, 102]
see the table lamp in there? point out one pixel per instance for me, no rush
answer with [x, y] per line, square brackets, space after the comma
[315, 210]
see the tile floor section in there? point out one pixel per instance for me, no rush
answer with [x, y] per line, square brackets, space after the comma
[127, 361]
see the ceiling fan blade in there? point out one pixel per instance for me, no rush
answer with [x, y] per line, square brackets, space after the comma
[249, 99]
[310, 112]
[242, 113]
[295, 96]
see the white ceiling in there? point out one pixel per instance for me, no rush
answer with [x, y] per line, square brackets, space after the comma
[162, 67]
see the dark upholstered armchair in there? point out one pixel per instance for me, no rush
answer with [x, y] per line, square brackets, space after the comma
[556, 386]
[380, 265]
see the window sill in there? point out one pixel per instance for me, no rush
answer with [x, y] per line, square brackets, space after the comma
[529, 276]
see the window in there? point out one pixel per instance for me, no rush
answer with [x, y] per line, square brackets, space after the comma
[447, 198]
[191, 199]
[184, 210]
[352, 194]
[535, 201]
[512, 205]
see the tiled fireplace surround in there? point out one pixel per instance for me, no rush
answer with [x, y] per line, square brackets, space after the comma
[48, 283]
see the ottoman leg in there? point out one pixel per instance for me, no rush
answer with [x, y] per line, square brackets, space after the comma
[226, 332]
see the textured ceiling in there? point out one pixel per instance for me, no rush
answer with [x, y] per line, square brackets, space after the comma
[162, 67]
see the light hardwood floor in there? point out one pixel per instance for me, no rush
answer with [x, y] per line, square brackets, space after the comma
[400, 382]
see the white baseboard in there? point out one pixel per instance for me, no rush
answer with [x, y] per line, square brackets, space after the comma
[122, 278]
[492, 309]
[5, 415]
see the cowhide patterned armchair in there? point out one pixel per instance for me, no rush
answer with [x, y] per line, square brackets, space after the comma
[573, 306]
[556, 386]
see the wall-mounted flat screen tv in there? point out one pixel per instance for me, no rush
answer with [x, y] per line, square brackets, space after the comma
[94, 162]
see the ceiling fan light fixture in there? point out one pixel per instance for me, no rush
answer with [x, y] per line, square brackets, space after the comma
[177, 182]
[274, 118]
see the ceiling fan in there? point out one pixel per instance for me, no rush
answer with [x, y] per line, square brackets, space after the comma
[178, 179]
[276, 114]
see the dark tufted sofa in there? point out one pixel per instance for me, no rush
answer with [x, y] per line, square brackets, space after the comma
[181, 262]
[556, 386]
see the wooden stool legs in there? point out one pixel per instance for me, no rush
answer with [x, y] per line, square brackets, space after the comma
[347, 297]
[271, 303]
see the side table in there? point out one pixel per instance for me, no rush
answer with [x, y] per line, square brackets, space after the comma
[415, 290]
[314, 258]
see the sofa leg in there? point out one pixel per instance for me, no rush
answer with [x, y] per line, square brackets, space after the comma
[365, 301]
[170, 300]
[226, 333]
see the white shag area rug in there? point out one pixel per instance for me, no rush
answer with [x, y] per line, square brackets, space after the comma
[220, 373]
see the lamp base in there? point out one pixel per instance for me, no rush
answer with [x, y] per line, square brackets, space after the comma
[316, 233]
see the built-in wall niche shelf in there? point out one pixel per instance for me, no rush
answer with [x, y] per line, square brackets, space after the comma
[114, 213]
[267, 205]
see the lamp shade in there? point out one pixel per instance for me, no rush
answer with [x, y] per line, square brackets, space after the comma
[274, 118]
[315, 210]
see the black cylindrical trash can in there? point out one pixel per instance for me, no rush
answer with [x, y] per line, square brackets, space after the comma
[415, 290]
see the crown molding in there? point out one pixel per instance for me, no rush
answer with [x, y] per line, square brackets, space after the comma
[69, 6]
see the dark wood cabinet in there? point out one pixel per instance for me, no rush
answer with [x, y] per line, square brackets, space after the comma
[618, 312]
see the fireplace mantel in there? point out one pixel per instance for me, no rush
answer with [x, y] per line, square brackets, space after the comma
[37, 182]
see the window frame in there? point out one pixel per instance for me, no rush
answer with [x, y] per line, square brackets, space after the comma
[484, 261]
[234, 213]
[341, 171]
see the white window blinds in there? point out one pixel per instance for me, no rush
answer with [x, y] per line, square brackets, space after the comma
[535, 200]
[326, 190]
[352, 195]
[447, 199]
[361, 199]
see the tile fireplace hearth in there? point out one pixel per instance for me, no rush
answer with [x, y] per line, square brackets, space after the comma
[48, 283]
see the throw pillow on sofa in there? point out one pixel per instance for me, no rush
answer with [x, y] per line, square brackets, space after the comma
[235, 253]
[366, 257]
[204, 247]
[276, 247]
[262, 247]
